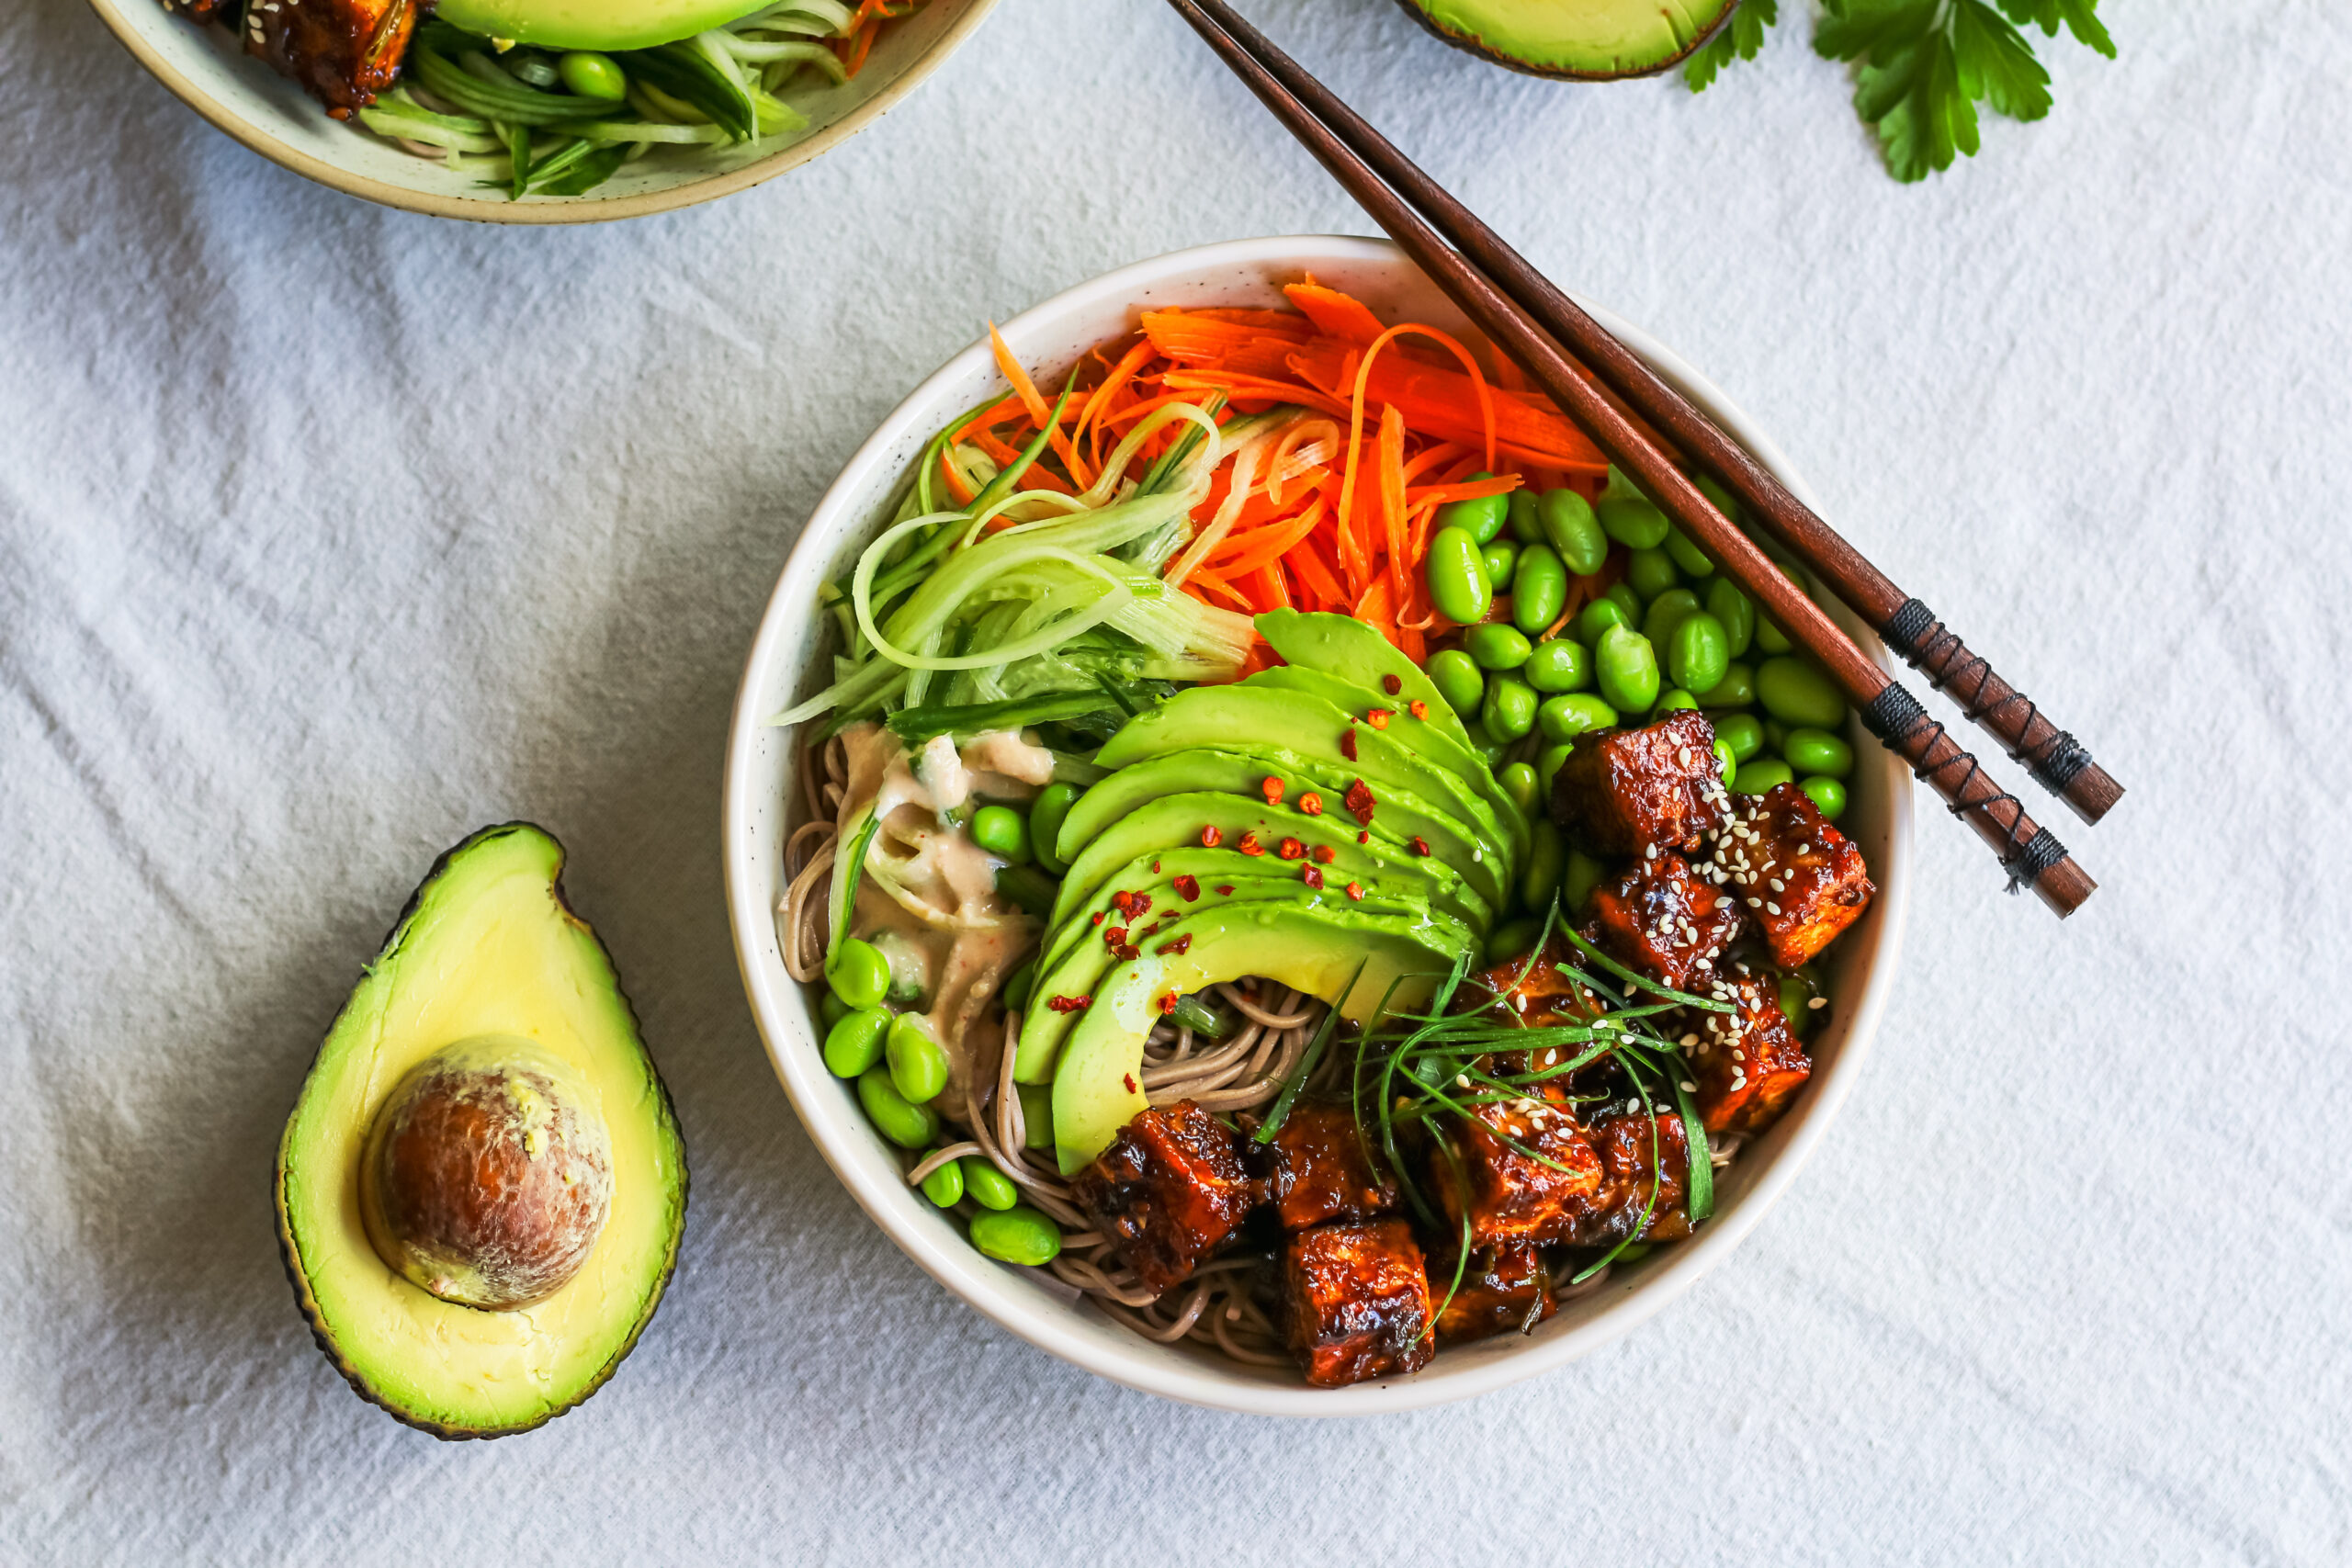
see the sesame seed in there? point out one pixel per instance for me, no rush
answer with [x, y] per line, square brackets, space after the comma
[1771, 908]
[1817, 1002]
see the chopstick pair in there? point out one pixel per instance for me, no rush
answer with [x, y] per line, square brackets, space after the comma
[1525, 316]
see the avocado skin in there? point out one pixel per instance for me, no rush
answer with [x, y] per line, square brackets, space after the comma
[307, 1302]
[1492, 56]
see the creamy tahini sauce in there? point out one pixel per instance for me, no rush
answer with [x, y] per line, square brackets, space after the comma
[930, 892]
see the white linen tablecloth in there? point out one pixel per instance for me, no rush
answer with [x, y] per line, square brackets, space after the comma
[328, 534]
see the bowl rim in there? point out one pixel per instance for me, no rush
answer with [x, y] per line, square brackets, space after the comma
[116, 15]
[1138, 1364]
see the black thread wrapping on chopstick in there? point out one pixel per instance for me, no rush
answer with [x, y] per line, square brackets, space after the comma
[1913, 632]
[1895, 715]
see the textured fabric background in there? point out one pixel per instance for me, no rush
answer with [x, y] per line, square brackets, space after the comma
[328, 534]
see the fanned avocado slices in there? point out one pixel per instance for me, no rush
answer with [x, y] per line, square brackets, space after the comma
[490, 1035]
[1590, 40]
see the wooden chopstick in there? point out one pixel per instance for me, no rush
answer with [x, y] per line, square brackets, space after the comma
[2031, 853]
[2058, 763]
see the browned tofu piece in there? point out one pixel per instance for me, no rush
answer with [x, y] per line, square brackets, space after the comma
[1623, 792]
[1317, 1170]
[1633, 1163]
[1356, 1302]
[1540, 994]
[1503, 1288]
[344, 52]
[1663, 918]
[1746, 1065]
[1802, 880]
[1511, 1196]
[1169, 1191]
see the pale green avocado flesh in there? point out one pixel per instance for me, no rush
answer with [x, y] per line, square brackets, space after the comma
[592, 24]
[1340, 646]
[486, 949]
[1588, 40]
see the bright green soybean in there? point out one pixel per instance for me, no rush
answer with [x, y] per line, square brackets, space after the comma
[1457, 575]
[1623, 593]
[1572, 530]
[1582, 875]
[1002, 831]
[1633, 522]
[1509, 711]
[1489, 749]
[1017, 1235]
[1501, 561]
[1735, 690]
[1713, 490]
[1743, 732]
[1827, 794]
[1548, 765]
[1046, 815]
[1481, 518]
[1598, 616]
[1796, 1001]
[1526, 517]
[1726, 764]
[1563, 665]
[1651, 572]
[1626, 668]
[1698, 652]
[1520, 783]
[945, 1187]
[591, 75]
[1797, 693]
[918, 1066]
[1818, 751]
[1735, 609]
[1547, 856]
[1687, 555]
[831, 1008]
[1776, 734]
[1017, 990]
[1497, 646]
[1667, 611]
[908, 1125]
[855, 1043]
[1769, 637]
[1540, 591]
[1762, 774]
[1456, 677]
[1565, 717]
[858, 973]
[1675, 701]
[986, 1185]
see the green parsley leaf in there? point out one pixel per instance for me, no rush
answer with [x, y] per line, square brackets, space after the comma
[1739, 38]
[2081, 18]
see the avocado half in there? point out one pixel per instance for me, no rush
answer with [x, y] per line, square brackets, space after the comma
[592, 24]
[487, 947]
[1583, 40]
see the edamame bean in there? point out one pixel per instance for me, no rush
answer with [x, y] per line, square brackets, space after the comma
[1735, 609]
[1573, 531]
[1726, 764]
[855, 1043]
[1563, 665]
[1818, 751]
[1743, 732]
[1501, 561]
[1769, 637]
[1481, 518]
[1515, 940]
[1626, 668]
[1796, 1001]
[1509, 709]
[1455, 675]
[1548, 765]
[1713, 490]
[1797, 693]
[1547, 856]
[1598, 616]
[1037, 1115]
[1002, 831]
[1761, 775]
[1017, 990]
[1776, 735]
[1017, 1235]
[588, 76]
[1675, 701]
[858, 973]
[1735, 690]
[1497, 646]
[1526, 517]
[1624, 594]
[945, 1187]
[1667, 611]
[1540, 591]
[831, 1008]
[986, 1185]
[1489, 749]
[1633, 521]
[1651, 572]
[1698, 653]
[1046, 815]
[1827, 794]
[1457, 577]
[1520, 783]
[1583, 875]
[1687, 555]
[1566, 717]
[908, 1127]
[918, 1066]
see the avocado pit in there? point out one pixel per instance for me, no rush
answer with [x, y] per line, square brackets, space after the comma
[487, 1174]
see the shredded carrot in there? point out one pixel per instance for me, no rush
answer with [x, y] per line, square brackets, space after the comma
[1391, 494]
[963, 493]
[1264, 546]
[1334, 315]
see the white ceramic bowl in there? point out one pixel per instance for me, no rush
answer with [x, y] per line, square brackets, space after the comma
[760, 784]
[206, 67]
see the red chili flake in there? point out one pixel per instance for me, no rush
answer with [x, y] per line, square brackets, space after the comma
[1355, 891]
[1211, 838]
[1364, 838]
[1225, 890]
[1148, 929]
[1069, 1004]
[1272, 788]
[1190, 886]
[1098, 915]
[1311, 876]
[1116, 935]
[1392, 685]
[1420, 845]
[1360, 803]
[1324, 854]
[1130, 1081]
[1379, 717]
[1142, 906]
[1250, 845]
[1178, 944]
[1154, 867]
[1348, 744]
[1124, 902]
[1417, 708]
[1290, 849]
[1168, 1003]
[1311, 803]
[1126, 954]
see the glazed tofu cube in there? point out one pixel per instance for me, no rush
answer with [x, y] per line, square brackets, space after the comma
[1169, 1191]
[1317, 1170]
[1803, 882]
[1637, 1153]
[1747, 1065]
[1624, 792]
[1356, 1302]
[1540, 994]
[1503, 1288]
[344, 52]
[1480, 1169]
[1663, 918]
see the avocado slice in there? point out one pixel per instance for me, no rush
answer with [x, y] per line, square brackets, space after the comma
[592, 24]
[487, 962]
[1098, 1087]
[1337, 645]
[1402, 815]
[1585, 41]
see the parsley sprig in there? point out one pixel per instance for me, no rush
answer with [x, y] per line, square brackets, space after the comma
[1923, 66]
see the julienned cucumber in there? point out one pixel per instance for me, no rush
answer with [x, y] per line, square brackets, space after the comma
[696, 71]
